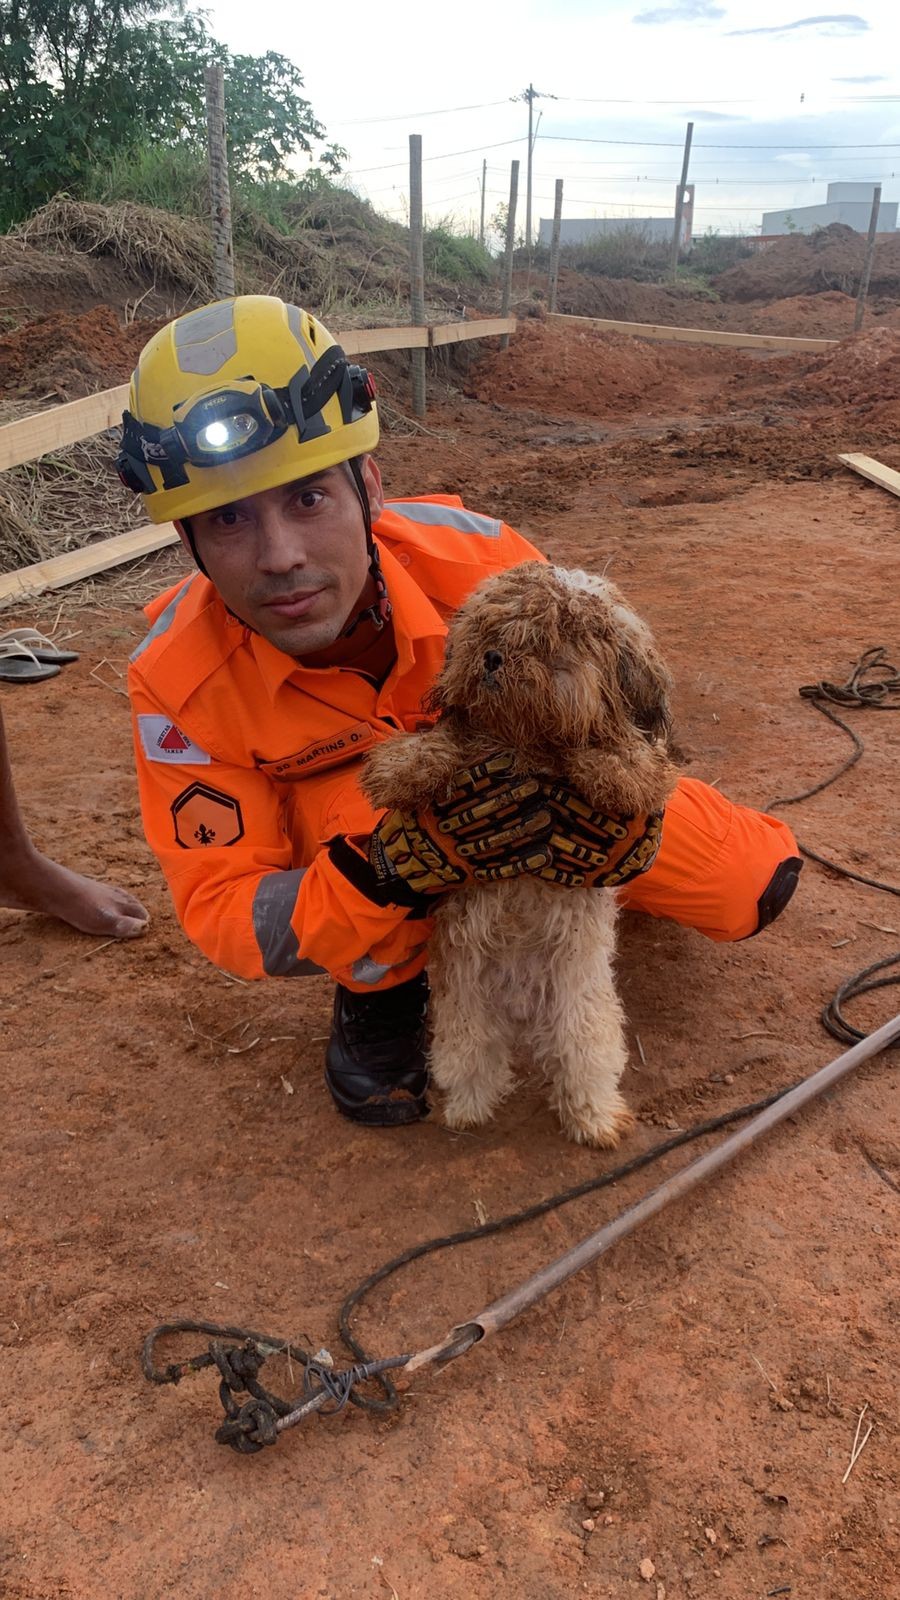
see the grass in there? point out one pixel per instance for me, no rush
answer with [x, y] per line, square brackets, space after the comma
[456, 258]
[632, 254]
[309, 238]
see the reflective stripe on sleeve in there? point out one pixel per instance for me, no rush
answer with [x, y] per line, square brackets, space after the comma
[273, 907]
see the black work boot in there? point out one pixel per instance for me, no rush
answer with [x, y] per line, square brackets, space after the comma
[375, 1061]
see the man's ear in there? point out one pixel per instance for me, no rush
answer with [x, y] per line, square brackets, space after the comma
[374, 488]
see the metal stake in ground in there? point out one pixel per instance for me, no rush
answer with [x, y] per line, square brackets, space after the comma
[219, 190]
[554, 243]
[679, 202]
[870, 256]
[416, 270]
[261, 1419]
[483, 191]
[510, 246]
[502, 1311]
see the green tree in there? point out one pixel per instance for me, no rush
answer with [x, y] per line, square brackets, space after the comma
[81, 80]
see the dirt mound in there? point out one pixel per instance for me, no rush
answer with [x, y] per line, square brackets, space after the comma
[550, 367]
[70, 356]
[812, 263]
[861, 372]
[337, 252]
[34, 283]
[581, 294]
[828, 315]
[154, 246]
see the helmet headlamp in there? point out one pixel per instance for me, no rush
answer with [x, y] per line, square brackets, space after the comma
[236, 420]
[228, 423]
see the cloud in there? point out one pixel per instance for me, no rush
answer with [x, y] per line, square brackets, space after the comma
[834, 26]
[682, 11]
[866, 77]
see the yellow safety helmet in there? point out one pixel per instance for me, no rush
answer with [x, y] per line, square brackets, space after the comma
[237, 397]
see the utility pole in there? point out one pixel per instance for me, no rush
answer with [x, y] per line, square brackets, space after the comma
[510, 247]
[554, 243]
[679, 202]
[870, 254]
[530, 94]
[483, 187]
[416, 270]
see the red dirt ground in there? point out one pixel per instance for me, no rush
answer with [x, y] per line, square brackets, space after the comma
[71, 355]
[691, 1402]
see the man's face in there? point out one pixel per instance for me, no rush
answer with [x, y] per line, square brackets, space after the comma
[292, 561]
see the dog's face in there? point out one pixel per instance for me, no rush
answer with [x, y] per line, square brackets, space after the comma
[541, 656]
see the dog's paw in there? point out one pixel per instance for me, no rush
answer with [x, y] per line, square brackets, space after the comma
[601, 1132]
[468, 1110]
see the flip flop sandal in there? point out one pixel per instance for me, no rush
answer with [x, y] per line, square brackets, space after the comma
[39, 646]
[18, 664]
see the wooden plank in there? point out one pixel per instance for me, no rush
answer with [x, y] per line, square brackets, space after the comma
[31, 437]
[868, 467]
[56, 572]
[482, 328]
[660, 331]
[362, 341]
[37, 435]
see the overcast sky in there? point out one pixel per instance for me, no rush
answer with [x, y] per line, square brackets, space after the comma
[747, 72]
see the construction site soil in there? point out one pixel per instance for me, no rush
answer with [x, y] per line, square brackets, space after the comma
[678, 1421]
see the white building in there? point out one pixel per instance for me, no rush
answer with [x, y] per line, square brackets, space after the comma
[850, 203]
[651, 230]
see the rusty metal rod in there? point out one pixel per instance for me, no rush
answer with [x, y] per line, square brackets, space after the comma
[461, 1338]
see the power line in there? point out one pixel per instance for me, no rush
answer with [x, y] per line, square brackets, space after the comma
[742, 183]
[609, 100]
[749, 100]
[475, 149]
[405, 116]
[616, 161]
[676, 144]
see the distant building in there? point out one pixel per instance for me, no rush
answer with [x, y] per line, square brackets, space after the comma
[850, 203]
[653, 230]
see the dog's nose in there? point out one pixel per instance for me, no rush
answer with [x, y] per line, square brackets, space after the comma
[493, 661]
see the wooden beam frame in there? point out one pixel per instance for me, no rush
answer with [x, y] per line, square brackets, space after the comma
[37, 435]
[57, 571]
[45, 431]
[868, 467]
[459, 332]
[664, 334]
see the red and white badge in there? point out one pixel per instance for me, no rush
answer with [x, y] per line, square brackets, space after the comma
[163, 741]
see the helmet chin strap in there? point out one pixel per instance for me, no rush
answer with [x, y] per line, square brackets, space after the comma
[381, 609]
[186, 524]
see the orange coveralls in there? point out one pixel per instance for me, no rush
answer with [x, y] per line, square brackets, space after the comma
[249, 762]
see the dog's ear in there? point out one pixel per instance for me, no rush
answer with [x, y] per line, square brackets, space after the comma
[645, 686]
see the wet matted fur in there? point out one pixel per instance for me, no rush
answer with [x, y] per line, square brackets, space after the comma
[554, 666]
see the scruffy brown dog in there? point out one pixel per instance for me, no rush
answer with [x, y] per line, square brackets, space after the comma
[553, 666]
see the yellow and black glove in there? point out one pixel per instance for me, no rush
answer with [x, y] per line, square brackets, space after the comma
[585, 848]
[592, 848]
[490, 825]
[494, 827]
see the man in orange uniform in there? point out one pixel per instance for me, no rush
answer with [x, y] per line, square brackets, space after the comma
[313, 629]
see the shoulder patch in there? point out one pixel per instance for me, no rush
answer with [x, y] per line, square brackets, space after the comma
[162, 740]
[205, 816]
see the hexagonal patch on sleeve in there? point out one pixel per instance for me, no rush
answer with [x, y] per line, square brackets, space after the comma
[206, 816]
